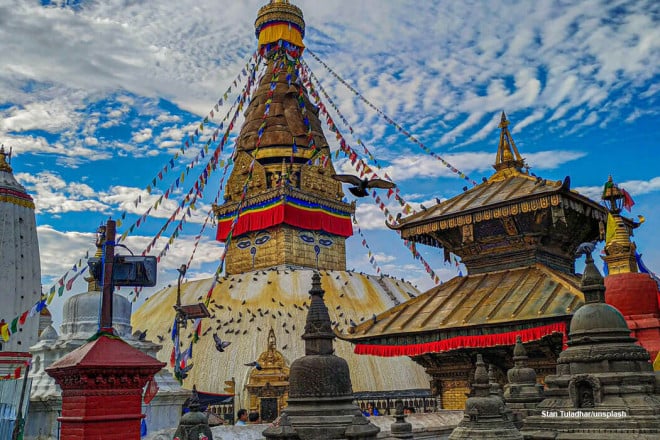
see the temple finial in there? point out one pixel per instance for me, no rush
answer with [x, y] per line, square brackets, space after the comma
[4, 164]
[619, 249]
[508, 160]
[280, 21]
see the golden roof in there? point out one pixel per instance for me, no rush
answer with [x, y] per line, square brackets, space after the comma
[502, 297]
[245, 306]
[509, 191]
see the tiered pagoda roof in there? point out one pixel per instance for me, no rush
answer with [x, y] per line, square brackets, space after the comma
[517, 234]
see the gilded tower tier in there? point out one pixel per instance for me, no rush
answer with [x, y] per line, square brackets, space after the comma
[282, 205]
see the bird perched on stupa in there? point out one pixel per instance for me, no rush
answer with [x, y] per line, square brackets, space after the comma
[360, 186]
[586, 248]
[254, 364]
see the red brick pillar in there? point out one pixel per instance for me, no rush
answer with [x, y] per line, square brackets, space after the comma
[102, 384]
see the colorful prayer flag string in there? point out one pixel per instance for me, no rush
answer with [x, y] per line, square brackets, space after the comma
[391, 121]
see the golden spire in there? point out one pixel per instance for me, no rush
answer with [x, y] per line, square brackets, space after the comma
[93, 284]
[272, 341]
[619, 249]
[4, 165]
[507, 148]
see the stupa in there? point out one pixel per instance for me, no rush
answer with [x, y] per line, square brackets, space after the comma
[605, 387]
[292, 221]
[80, 321]
[634, 293]
[522, 393]
[517, 234]
[320, 398]
[485, 413]
[268, 385]
[20, 268]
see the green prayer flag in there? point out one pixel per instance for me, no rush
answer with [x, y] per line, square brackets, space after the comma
[14, 325]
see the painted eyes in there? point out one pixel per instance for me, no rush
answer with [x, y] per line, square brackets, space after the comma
[325, 242]
[261, 240]
[244, 244]
[310, 239]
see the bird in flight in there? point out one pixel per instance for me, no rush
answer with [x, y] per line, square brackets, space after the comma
[220, 345]
[360, 186]
[254, 364]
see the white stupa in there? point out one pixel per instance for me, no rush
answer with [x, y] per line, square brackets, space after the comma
[20, 270]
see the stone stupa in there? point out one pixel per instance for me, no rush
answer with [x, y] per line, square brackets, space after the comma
[522, 394]
[486, 417]
[320, 404]
[80, 321]
[605, 387]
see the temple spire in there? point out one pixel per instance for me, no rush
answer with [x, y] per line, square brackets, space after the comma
[4, 165]
[508, 160]
[619, 249]
[280, 21]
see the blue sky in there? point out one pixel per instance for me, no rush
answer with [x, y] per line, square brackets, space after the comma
[97, 96]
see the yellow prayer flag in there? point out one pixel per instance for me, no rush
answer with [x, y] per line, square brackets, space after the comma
[4, 331]
[656, 363]
[611, 228]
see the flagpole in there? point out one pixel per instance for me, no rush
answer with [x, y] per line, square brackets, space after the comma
[108, 257]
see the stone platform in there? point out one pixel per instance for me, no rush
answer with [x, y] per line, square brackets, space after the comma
[436, 425]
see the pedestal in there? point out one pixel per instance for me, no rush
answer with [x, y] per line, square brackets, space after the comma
[102, 384]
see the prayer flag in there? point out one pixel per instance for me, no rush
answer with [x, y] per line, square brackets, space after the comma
[14, 325]
[628, 202]
[4, 331]
[611, 228]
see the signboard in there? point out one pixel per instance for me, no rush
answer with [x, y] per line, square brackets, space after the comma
[128, 270]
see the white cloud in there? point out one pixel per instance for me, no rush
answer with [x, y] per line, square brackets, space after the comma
[142, 136]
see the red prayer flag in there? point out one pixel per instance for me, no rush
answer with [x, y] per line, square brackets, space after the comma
[628, 202]
[150, 391]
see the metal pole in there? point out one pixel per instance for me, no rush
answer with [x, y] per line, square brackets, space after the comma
[19, 414]
[108, 257]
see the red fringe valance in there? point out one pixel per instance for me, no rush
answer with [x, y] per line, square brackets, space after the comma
[493, 340]
[289, 214]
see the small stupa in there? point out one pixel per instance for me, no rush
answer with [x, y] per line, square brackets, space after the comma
[485, 414]
[80, 321]
[522, 393]
[320, 404]
[605, 386]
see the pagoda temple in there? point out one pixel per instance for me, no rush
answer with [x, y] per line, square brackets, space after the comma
[283, 218]
[517, 235]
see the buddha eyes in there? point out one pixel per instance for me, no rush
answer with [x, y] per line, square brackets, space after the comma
[262, 239]
[307, 238]
[244, 244]
[325, 242]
